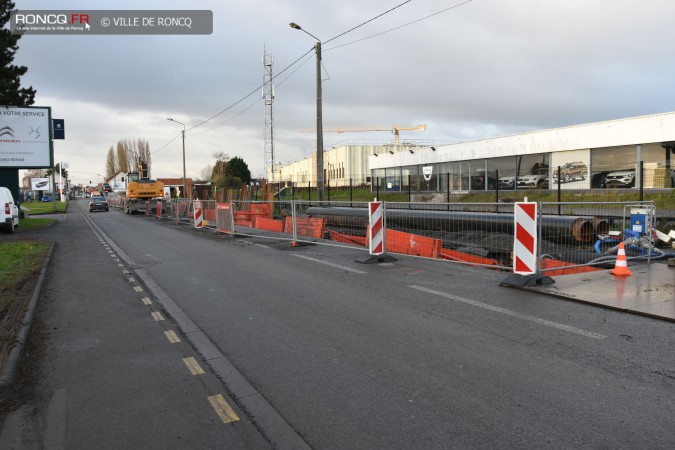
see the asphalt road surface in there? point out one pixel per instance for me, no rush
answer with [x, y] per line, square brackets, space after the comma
[414, 353]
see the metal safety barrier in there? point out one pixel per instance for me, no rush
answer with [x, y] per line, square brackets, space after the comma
[571, 237]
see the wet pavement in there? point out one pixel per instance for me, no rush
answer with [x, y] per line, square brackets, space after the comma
[649, 291]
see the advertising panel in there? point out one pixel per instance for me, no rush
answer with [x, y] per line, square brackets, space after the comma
[574, 169]
[40, 184]
[25, 137]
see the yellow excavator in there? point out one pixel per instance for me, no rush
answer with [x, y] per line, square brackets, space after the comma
[141, 189]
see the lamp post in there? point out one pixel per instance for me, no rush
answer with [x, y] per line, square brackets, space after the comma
[184, 185]
[319, 114]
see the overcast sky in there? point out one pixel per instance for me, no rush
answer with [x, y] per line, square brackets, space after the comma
[485, 68]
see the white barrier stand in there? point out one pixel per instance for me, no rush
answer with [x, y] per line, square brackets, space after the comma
[225, 218]
[525, 242]
[377, 232]
[199, 218]
[525, 270]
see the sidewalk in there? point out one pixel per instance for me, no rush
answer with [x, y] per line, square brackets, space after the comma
[113, 371]
[650, 291]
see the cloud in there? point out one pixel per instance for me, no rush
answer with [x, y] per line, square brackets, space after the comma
[487, 68]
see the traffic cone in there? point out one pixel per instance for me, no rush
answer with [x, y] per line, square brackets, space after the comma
[621, 267]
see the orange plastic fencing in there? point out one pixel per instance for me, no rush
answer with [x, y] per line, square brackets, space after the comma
[269, 224]
[412, 244]
[347, 238]
[547, 263]
[306, 226]
[454, 255]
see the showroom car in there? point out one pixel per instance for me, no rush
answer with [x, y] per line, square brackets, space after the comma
[622, 178]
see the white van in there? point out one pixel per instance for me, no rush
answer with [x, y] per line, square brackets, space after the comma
[9, 212]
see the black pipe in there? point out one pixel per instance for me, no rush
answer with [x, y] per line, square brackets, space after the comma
[575, 228]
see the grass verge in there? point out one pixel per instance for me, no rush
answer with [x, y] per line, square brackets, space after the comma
[44, 207]
[19, 260]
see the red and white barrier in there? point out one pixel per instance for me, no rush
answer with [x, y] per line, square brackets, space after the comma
[199, 217]
[376, 228]
[525, 242]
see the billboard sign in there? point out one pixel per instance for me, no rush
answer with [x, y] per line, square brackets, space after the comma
[40, 184]
[25, 137]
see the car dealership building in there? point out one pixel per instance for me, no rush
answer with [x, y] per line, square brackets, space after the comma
[594, 155]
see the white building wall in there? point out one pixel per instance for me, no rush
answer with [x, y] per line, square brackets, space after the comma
[630, 131]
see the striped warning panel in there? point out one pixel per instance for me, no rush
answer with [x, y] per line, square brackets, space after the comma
[525, 242]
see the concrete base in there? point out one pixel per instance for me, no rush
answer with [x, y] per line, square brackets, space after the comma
[520, 281]
[374, 259]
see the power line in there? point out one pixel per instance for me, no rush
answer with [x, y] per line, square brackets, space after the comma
[401, 26]
[367, 21]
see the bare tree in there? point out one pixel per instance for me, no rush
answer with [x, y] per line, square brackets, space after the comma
[122, 157]
[110, 164]
[144, 153]
[206, 173]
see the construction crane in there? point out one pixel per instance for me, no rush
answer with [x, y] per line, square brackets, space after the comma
[394, 129]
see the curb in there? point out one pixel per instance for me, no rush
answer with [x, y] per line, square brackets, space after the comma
[9, 373]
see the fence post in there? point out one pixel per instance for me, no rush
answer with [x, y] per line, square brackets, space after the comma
[448, 189]
[328, 186]
[559, 193]
[309, 190]
[642, 182]
[351, 193]
[377, 187]
[497, 190]
[409, 190]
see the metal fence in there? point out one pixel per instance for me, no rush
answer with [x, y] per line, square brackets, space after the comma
[572, 237]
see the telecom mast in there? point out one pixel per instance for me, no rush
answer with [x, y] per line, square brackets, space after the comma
[268, 95]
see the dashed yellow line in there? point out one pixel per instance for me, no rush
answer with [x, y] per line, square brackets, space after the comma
[172, 336]
[224, 411]
[157, 316]
[193, 365]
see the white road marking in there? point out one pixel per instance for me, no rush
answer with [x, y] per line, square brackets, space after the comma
[349, 269]
[508, 312]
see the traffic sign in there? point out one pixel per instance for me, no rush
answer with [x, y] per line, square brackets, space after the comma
[59, 129]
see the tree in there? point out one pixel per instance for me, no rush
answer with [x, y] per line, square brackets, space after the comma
[143, 147]
[236, 167]
[207, 173]
[11, 92]
[122, 157]
[110, 164]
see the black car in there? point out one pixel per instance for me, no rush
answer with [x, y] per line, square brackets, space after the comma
[98, 203]
[478, 183]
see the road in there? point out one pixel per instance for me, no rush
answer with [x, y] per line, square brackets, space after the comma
[411, 354]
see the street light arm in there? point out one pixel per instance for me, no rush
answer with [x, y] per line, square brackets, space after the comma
[295, 26]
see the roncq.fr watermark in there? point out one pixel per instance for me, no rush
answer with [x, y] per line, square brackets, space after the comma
[84, 22]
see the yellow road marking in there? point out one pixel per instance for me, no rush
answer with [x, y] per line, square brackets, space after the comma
[157, 316]
[193, 365]
[226, 413]
[172, 336]
[146, 301]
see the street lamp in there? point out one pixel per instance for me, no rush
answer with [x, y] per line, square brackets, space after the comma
[319, 113]
[181, 123]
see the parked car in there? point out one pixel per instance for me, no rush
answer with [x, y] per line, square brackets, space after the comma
[572, 171]
[106, 187]
[9, 211]
[599, 179]
[98, 203]
[478, 183]
[622, 178]
[539, 179]
[506, 182]
[46, 198]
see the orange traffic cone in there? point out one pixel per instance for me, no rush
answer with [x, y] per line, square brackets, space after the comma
[621, 267]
